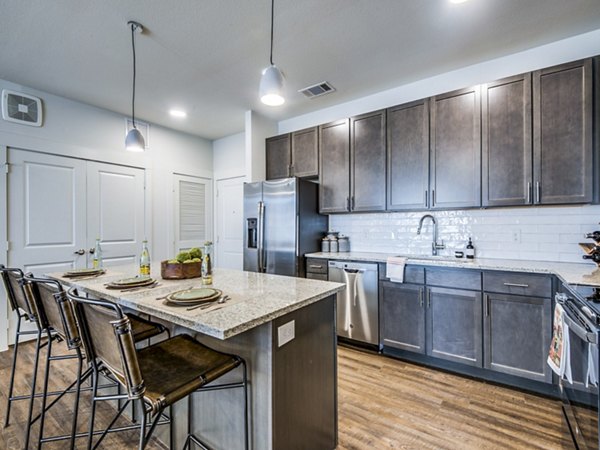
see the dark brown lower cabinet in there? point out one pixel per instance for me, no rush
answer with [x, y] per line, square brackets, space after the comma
[403, 316]
[454, 329]
[517, 333]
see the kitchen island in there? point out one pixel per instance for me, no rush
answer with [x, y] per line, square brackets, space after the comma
[283, 327]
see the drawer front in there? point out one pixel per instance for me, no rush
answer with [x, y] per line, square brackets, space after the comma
[316, 265]
[317, 276]
[454, 278]
[412, 274]
[518, 283]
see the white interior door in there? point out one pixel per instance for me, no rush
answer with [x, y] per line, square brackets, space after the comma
[115, 211]
[230, 214]
[193, 206]
[57, 206]
[46, 212]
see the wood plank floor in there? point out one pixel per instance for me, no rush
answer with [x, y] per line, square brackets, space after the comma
[383, 404]
[389, 404]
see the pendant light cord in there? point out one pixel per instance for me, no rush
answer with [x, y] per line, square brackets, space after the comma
[133, 28]
[272, 14]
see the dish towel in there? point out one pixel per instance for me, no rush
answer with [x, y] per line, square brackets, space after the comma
[558, 356]
[592, 371]
[394, 268]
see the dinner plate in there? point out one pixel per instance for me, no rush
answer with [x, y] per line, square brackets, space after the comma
[130, 283]
[83, 272]
[194, 296]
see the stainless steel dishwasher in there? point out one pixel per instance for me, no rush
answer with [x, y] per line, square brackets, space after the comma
[357, 304]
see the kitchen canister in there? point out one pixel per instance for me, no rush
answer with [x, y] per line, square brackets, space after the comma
[343, 243]
[333, 245]
[325, 245]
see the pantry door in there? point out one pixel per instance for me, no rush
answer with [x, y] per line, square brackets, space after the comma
[57, 206]
[115, 211]
[47, 229]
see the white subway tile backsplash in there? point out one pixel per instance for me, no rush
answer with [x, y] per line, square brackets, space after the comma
[543, 233]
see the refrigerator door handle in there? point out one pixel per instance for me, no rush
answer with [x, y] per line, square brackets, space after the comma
[261, 236]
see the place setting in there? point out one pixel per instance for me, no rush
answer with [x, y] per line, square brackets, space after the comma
[84, 274]
[196, 298]
[132, 284]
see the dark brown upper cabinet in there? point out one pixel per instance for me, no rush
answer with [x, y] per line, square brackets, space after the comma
[334, 176]
[367, 156]
[507, 154]
[562, 134]
[305, 153]
[278, 156]
[408, 156]
[293, 154]
[352, 176]
[455, 161]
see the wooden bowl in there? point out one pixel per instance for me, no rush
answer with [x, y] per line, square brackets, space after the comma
[180, 271]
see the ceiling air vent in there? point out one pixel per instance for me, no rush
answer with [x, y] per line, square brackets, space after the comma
[316, 90]
[21, 108]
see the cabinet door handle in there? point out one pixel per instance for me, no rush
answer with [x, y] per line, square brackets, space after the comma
[529, 192]
[348, 203]
[79, 252]
[486, 306]
[421, 297]
[428, 298]
[291, 170]
[516, 285]
[538, 192]
[432, 198]
[314, 266]
[353, 203]
[426, 198]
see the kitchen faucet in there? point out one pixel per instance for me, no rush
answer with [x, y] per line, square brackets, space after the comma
[434, 243]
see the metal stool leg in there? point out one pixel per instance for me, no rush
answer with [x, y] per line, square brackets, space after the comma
[77, 396]
[246, 434]
[12, 372]
[33, 383]
[45, 391]
[93, 410]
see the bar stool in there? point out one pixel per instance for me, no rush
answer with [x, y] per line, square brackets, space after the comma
[156, 376]
[28, 305]
[25, 311]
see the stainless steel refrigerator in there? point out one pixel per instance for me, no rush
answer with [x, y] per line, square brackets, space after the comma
[281, 224]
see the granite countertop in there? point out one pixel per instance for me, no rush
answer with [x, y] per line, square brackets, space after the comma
[571, 273]
[256, 298]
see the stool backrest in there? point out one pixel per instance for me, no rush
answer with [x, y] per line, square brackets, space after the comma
[51, 299]
[11, 278]
[108, 340]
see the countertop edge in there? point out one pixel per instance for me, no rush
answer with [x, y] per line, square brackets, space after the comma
[570, 273]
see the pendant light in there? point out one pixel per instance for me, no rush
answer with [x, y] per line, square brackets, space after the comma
[134, 142]
[271, 83]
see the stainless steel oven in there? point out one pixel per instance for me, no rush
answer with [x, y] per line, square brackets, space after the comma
[580, 402]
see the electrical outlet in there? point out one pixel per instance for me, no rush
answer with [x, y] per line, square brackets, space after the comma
[516, 236]
[285, 333]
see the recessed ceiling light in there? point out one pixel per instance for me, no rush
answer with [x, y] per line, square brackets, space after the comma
[177, 113]
[457, 1]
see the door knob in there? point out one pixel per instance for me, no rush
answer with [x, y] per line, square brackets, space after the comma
[80, 252]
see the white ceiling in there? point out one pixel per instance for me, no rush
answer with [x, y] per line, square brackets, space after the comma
[206, 56]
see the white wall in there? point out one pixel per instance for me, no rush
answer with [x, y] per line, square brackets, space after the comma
[74, 129]
[229, 156]
[258, 128]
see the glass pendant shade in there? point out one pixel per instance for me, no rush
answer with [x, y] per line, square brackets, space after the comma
[134, 142]
[271, 86]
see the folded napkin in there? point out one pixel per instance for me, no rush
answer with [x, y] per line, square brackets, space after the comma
[394, 268]
[558, 356]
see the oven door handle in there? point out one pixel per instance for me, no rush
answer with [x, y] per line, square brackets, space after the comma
[584, 334]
